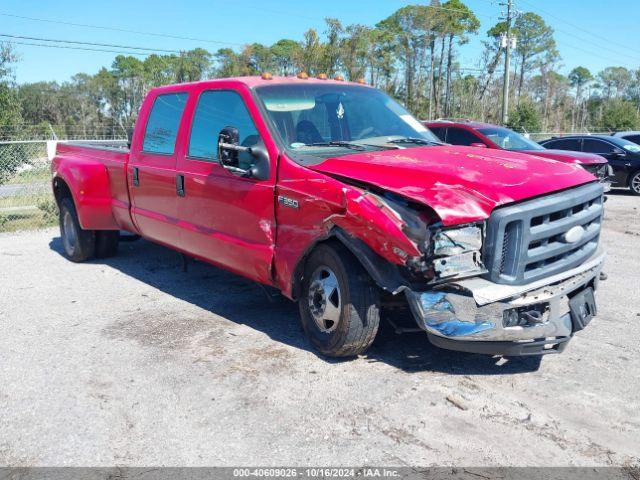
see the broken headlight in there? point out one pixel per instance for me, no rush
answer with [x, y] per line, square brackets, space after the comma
[456, 251]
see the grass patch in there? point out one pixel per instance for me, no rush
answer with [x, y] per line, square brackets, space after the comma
[27, 212]
[40, 174]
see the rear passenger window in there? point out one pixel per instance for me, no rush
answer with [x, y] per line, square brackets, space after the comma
[633, 138]
[572, 144]
[458, 136]
[164, 120]
[596, 146]
[439, 132]
[218, 109]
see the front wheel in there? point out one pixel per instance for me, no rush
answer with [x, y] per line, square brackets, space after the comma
[339, 303]
[634, 183]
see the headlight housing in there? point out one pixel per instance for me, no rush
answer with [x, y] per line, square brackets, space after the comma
[457, 251]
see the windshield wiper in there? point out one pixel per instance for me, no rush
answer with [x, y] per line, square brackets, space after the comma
[419, 141]
[337, 143]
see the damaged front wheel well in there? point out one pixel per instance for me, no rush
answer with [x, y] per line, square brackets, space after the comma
[385, 274]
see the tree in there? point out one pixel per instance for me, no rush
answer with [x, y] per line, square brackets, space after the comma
[355, 51]
[284, 53]
[578, 78]
[331, 50]
[525, 117]
[310, 53]
[459, 21]
[614, 81]
[535, 37]
[620, 115]
[261, 58]
[128, 74]
[191, 65]
[409, 28]
[9, 101]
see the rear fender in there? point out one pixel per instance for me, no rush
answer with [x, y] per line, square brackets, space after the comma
[88, 183]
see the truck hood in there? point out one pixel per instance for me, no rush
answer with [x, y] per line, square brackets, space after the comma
[581, 158]
[462, 184]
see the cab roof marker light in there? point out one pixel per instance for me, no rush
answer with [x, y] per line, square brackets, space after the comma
[266, 76]
[322, 76]
[303, 76]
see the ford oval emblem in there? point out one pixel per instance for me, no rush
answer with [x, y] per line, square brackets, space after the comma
[574, 234]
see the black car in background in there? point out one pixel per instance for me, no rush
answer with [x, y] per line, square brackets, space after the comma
[623, 155]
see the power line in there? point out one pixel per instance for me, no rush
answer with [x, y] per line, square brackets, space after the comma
[67, 47]
[608, 40]
[119, 29]
[597, 44]
[93, 44]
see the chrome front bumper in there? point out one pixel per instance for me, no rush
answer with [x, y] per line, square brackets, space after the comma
[472, 310]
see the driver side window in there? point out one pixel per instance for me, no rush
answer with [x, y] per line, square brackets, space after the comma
[217, 109]
[459, 136]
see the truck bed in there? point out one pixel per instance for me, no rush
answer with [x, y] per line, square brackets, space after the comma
[104, 194]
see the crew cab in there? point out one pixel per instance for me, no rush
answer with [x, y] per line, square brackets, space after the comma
[486, 135]
[334, 194]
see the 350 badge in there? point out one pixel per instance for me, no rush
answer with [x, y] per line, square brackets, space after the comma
[288, 202]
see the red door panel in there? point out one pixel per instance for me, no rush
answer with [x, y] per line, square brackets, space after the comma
[153, 200]
[226, 219]
[151, 173]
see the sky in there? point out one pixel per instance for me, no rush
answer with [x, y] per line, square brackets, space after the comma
[591, 33]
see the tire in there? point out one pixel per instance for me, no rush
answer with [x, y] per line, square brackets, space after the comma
[634, 183]
[339, 303]
[107, 243]
[78, 244]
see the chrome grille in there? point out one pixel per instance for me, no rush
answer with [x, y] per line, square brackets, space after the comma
[532, 240]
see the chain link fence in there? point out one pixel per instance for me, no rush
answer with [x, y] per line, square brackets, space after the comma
[26, 201]
[26, 198]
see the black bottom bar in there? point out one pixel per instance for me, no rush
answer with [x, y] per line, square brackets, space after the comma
[507, 349]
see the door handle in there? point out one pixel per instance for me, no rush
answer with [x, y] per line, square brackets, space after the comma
[136, 177]
[180, 185]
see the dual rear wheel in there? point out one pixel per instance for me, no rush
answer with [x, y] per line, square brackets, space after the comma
[79, 244]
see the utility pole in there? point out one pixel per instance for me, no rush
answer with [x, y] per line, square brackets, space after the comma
[506, 43]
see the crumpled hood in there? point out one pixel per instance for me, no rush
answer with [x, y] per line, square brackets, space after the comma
[581, 158]
[462, 184]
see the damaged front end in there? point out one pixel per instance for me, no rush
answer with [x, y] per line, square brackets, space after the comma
[520, 283]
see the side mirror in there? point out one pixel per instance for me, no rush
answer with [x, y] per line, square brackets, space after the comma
[478, 144]
[229, 149]
[228, 146]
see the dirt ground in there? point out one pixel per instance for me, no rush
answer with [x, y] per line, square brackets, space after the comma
[131, 361]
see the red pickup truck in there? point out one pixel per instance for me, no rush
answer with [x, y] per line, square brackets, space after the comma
[334, 194]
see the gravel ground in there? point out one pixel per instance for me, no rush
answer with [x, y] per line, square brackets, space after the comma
[131, 361]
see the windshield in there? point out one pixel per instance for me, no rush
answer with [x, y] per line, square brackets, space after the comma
[317, 119]
[508, 139]
[627, 145]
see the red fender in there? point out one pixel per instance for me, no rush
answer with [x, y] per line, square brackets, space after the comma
[88, 182]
